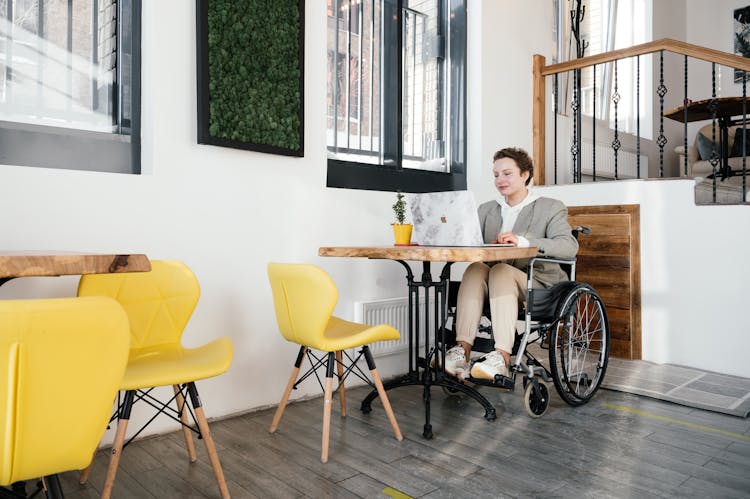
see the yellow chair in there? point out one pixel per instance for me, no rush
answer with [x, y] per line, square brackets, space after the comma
[159, 304]
[62, 362]
[304, 297]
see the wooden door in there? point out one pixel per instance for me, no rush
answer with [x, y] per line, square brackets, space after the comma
[609, 260]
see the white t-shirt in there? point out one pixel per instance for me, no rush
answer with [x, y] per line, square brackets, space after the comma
[510, 215]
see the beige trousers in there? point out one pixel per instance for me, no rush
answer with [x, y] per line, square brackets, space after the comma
[505, 286]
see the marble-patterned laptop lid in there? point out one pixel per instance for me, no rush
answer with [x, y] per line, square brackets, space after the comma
[445, 219]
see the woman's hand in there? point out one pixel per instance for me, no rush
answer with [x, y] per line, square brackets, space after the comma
[507, 237]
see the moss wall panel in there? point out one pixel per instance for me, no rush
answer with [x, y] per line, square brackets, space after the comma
[250, 74]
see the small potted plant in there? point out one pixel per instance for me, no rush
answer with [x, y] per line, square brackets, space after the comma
[401, 230]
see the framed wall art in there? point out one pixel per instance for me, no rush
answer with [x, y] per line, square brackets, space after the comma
[250, 72]
[741, 37]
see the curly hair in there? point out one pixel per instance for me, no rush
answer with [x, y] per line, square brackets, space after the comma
[521, 157]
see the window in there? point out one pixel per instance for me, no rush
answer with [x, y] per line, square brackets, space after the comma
[396, 100]
[70, 84]
[610, 25]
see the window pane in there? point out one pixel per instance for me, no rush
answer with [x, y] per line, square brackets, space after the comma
[396, 97]
[423, 83]
[50, 51]
[354, 51]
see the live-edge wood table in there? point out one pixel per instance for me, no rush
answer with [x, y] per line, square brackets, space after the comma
[422, 371]
[56, 263]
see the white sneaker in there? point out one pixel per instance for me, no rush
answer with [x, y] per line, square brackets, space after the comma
[492, 365]
[455, 361]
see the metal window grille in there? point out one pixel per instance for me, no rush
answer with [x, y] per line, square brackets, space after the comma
[62, 64]
[356, 101]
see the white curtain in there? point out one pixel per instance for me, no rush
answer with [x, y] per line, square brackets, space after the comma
[608, 25]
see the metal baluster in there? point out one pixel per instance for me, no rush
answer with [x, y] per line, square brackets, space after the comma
[616, 141]
[638, 116]
[713, 107]
[348, 76]
[593, 128]
[370, 78]
[360, 26]
[335, 89]
[574, 108]
[685, 103]
[579, 122]
[661, 91]
[555, 90]
[744, 136]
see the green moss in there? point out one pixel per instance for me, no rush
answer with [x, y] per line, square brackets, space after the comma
[254, 71]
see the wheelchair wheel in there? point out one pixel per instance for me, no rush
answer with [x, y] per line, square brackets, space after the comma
[579, 345]
[536, 400]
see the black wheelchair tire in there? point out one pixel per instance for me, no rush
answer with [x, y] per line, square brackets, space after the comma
[581, 324]
[536, 402]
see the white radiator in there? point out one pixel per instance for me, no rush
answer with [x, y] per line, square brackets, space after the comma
[394, 312]
[605, 162]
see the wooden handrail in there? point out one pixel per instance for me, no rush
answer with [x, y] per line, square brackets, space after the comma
[668, 44]
[675, 46]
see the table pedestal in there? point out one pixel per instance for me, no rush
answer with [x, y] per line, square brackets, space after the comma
[422, 370]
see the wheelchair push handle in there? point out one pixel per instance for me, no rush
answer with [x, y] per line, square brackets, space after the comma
[578, 229]
[582, 229]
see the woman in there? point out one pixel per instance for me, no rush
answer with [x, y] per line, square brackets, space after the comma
[523, 219]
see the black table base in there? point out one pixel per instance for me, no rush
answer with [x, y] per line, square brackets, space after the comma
[427, 369]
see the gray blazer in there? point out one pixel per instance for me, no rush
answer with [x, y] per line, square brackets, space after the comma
[544, 223]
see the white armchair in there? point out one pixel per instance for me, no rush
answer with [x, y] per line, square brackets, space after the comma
[698, 167]
[728, 190]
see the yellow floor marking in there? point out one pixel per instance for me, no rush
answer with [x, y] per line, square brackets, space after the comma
[677, 421]
[396, 494]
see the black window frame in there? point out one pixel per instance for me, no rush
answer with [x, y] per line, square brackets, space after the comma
[391, 176]
[25, 144]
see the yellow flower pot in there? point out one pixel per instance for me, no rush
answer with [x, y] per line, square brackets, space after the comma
[402, 233]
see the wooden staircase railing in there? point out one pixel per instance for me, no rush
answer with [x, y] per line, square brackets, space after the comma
[541, 71]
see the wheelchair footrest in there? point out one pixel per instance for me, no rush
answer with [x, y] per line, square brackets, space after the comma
[499, 382]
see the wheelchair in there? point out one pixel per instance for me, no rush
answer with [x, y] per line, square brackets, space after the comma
[568, 319]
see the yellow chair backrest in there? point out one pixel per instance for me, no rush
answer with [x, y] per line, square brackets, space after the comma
[159, 303]
[304, 297]
[62, 363]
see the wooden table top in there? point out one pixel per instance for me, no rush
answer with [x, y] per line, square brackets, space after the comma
[432, 253]
[727, 107]
[56, 263]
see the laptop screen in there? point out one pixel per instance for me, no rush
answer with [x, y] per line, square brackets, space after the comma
[445, 219]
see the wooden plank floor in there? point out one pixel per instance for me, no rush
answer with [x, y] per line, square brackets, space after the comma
[618, 445]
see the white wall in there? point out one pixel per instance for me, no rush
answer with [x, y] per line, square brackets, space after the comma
[693, 272]
[226, 212]
[510, 33]
[710, 24]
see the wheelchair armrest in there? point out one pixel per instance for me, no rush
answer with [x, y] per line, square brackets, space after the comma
[563, 261]
[570, 262]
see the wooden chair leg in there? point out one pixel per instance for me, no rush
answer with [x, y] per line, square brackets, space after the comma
[288, 390]
[381, 392]
[327, 402]
[84, 476]
[187, 432]
[213, 457]
[114, 460]
[52, 487]
[342, 389]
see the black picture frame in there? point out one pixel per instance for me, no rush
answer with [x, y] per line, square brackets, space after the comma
[250, 75]
[741, 37]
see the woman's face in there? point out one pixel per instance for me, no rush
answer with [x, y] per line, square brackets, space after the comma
[508, 177]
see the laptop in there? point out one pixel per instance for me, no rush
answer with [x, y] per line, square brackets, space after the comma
[446, 219]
